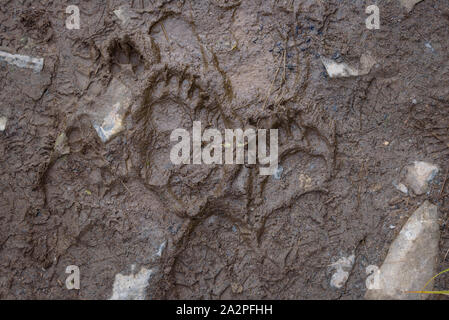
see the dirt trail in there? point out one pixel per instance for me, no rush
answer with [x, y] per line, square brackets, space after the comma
[219, 231]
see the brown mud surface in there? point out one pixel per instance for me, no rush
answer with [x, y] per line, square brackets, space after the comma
[215, 231]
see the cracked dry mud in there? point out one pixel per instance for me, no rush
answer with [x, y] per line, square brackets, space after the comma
[215, 231]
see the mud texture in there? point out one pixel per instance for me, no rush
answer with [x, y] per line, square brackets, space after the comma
[215, 231]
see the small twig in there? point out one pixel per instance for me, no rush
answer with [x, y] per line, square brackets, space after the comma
[439, 139]
[165, 34]
[271, 87]
[446, 255]
[444, 183]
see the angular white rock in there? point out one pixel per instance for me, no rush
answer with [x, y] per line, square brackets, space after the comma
[409, 4]
[131, 287]
[3, 122]
[112, 125]
[335, 69]
[125, 14]
[419, 175]
[411, 260]
[342, 268]
[61, 144]
[338, 70]
[401, 187]
[161, 249]
[114, 104]
[21, 61]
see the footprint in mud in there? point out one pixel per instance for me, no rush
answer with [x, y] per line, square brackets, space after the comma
[174, 99]
[124, 55]
[98, 217]
[159, 99]
[201, 270]
[264, 243]
[135, 103]
[91, 196]
[306, 156]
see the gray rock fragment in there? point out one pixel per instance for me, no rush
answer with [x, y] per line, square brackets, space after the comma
[131, 287]
[336, 70]
[411, 260]
[61, 144]
[21, 61]
[125, 14]
[401, 187]
[409, 4]
[111, 125]
[278, 173]
[339, 70]
[419, 175]
[3, 121]
[114, 105]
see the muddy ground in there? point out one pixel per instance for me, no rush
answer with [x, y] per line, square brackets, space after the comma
[220, 231]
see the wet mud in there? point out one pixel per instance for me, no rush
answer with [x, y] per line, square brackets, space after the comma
[215, 231]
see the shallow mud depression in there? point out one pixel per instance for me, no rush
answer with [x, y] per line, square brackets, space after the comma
[85, 122]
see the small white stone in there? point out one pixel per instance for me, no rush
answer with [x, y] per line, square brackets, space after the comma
[125, 14]
[419, 175]
[339, 278]
[161, 249]
[112, 125]
[3, 122]
[401, 187]
[338, 70]
[61, 145]
[21, 61]
[120, 13]
[131, 287]
[429, 46]
[342, 268]
[278, 173]
[109, 115]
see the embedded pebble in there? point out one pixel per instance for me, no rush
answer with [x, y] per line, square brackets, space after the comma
[21, 61]
[401, 187]
[111, 112]
[61, 145]
[112, 125]
[122, 14]
[419, 175]
[335, 69]
[3, 122]
[305, 182]
[161, 249]
[338, 70]
[429, 46]
[131, 287]
[278, 173]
